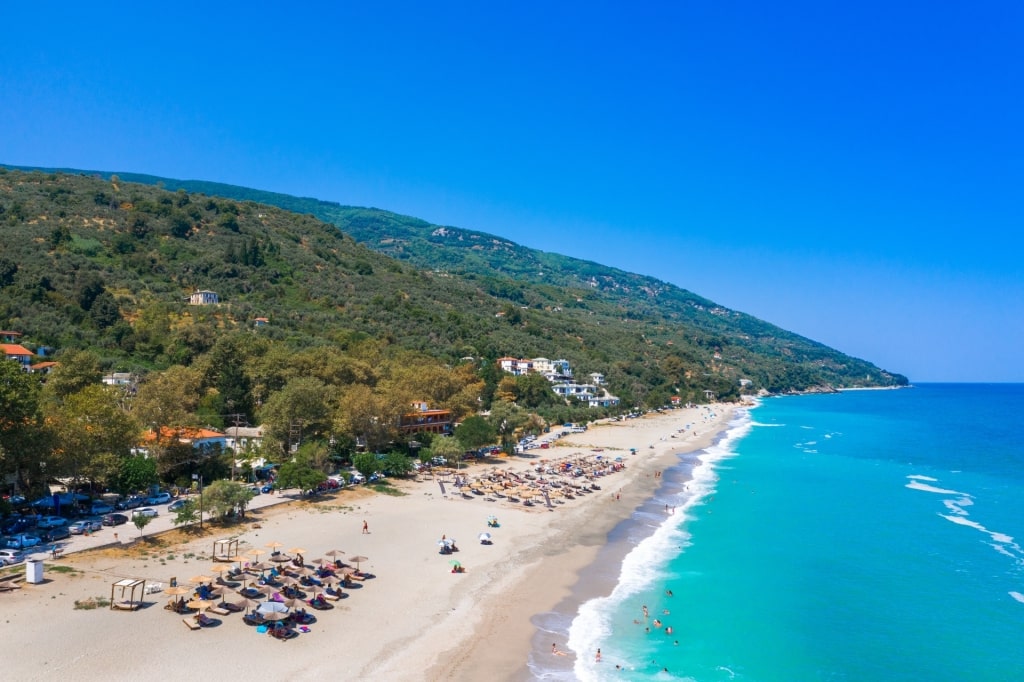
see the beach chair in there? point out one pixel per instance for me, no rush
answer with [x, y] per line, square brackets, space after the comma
[219, 610]
[191, 624]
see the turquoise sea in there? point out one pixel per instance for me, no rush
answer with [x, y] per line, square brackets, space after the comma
[860, 536]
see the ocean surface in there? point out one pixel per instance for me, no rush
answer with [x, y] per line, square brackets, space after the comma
[864, 536]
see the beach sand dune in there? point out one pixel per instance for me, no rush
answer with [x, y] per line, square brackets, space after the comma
[413, 620]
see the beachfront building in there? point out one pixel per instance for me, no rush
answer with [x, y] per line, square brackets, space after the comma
[43, 367]
[204, 298]
[425, 420]
[18, 353]
[553, 370]
[10, 337]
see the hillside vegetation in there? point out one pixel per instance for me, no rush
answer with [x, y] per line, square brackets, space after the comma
[107, 265]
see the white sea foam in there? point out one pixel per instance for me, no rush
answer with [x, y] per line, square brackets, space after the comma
[645, 564]
[919, 477]
[1018, 596]
[917, 485]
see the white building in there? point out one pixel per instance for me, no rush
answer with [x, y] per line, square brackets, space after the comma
[204, 298]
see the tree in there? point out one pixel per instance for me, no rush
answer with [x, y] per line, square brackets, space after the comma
[187, 513]
[23, 436]
[365, 463]
[506, 418]
[136, 473]
[297, 411]
[475, 432]
[371, 415]
[77, 370]
[299, 474]
[93, 434]
[141, 522]
[449, 448]
[396, 463]
[222, 498]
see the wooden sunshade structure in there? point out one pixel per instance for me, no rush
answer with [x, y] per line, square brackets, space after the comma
[127, 585]
[226, 550]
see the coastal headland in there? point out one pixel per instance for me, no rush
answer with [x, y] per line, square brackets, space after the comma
[413, 618]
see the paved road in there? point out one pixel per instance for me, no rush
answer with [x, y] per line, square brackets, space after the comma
[128, 532]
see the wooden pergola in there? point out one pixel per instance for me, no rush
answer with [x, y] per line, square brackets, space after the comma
[128, 585]
[226, 550]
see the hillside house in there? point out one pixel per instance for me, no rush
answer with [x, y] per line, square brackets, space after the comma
[18, 353]
[205, 440]
[204, 298]
[241, 438]
[9, 336]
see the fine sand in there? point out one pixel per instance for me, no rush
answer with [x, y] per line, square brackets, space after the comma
[413, 620]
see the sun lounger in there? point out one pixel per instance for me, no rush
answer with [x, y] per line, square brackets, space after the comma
[190, 624]
[331, 597]
[220, 611]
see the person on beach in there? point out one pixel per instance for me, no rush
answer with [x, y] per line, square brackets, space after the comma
[366, 527]
[597, 657]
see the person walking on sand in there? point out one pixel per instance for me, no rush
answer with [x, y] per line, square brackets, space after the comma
[366, 527]
[597, 658]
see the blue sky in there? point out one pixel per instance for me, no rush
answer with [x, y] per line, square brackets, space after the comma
[851, 172]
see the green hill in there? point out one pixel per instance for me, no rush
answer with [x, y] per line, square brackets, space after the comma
[90, 263]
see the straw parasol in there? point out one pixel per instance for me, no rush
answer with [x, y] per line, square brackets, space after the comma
[200, 579]
[201, 604]
[219, 568]
[246, 603]
[334, 553]
[357, 560]
[275, 615]
[274, 545]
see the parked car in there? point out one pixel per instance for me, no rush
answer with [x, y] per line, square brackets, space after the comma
[100, 508]
[10, 556]
[58, 533]
[176, 505]
[267, 488]
[358, 478]
[132, 502]
[159, 498]
[23, 541]
[145, 511]
[52, 522]
[114, 519]
[18, 524]
[81, 527]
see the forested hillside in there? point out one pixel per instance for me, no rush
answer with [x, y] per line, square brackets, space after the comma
[322, 341]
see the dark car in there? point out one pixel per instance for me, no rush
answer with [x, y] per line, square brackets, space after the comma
[58, 533]
[114, 519]
[17, 525]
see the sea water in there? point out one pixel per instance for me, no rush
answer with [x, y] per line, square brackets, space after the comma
[866, 535]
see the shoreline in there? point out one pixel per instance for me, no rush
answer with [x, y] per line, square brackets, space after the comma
[414, 620]
[570, 576]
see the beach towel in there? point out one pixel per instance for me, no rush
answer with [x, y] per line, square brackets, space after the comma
[262, 629]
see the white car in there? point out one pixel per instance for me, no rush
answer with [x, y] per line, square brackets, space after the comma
[159, 498]
[145, 511]
[10, 556]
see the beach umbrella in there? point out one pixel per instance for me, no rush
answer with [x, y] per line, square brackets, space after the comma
[219, 568]
[274, 545]
[334, 553]
[454, 562]
[176, 590]
[259, 566]
[484, 537]
[256, 553]
[280, 558]
[292, 603]
[272, 607]
[266, 590]
[347, 570]
[357, 560]
[246, 603]
[201, 604]
[200, 579]
[275, 615]
[296, 550]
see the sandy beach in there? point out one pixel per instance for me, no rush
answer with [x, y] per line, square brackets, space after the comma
[413, 620]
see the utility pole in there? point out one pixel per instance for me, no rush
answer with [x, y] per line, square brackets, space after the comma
[199, 477]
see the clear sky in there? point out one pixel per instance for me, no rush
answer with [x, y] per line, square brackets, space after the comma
[852, 172]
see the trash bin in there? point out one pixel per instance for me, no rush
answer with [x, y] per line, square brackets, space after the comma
[34, 571]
